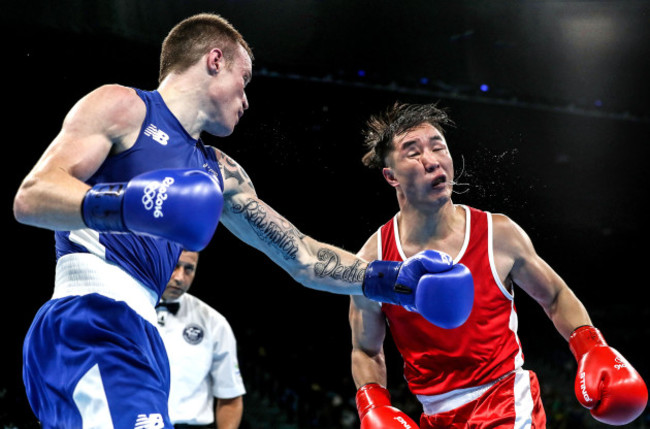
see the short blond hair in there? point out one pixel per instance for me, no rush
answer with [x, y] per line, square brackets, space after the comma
[193, 37]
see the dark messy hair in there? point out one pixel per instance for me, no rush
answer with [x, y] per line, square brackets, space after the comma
[382, 128]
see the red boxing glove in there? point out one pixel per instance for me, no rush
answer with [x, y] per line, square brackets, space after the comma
[376, 412]
[606, 383]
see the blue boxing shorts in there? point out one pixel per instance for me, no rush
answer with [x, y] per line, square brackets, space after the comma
[91, 361]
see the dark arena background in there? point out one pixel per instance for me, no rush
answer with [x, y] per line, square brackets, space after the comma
[550, 100]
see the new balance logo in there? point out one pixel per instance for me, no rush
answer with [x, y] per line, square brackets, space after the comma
[156, 134]
[151, 421]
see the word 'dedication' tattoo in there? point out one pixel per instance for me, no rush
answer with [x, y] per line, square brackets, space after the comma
[330, 266]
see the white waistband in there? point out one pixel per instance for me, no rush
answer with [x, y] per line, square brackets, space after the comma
[434, 404]
[83, 273]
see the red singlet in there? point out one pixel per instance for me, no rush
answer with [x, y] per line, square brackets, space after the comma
[458, 373]
[484, 348]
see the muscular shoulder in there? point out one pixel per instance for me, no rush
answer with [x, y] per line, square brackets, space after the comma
[115, 102]
[114, 110]
[509, 238]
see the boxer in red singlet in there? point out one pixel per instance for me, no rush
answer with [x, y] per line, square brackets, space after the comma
[470, 376]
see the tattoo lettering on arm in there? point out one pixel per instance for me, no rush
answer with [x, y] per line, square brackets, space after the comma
[281, 235]
[330, 266]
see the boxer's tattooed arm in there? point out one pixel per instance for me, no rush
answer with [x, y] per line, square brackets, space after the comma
[283, 236]
[273, 230]
[233, 170]
[245, 212]
[329, 265]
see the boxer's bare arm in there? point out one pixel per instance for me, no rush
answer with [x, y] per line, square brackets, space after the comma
[102, 122]
[514, 249]
[368, 332]
[314, 264]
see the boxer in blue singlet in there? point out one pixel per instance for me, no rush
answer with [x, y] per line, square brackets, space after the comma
[126, 185]
[87, 265]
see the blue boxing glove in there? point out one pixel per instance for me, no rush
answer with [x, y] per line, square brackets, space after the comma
[179, 205]
[428, 283]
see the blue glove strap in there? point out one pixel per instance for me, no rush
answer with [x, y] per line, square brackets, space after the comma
[379, 284]
[101, 208]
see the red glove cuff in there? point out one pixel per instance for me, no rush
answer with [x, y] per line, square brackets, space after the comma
[583, 339]
[370, 396]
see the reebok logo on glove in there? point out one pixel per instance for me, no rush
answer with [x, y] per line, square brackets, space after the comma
[155, 194]
[128, 207]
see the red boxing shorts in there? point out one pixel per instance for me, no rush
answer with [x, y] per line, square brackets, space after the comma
[513, 402]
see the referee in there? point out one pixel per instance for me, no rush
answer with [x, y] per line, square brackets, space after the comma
[202, 354]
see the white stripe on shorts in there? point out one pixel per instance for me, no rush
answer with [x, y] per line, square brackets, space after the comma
[523, 400]
[90, 398]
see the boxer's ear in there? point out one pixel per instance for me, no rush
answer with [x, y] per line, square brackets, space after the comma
[389, 176]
